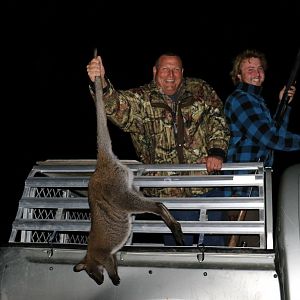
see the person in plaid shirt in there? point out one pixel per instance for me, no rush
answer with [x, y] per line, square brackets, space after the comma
[254, 134]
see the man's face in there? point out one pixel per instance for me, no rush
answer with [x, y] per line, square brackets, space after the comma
[168, 74]
[252, 71]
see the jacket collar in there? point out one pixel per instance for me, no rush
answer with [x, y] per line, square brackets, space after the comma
[249, 88]
[157, 96]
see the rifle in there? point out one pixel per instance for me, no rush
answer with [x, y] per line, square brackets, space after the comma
[234, 239]
[281, 108]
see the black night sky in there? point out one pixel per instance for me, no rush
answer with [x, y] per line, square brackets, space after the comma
[47, 110]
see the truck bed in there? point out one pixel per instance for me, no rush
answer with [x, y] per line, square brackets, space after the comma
[49, 236]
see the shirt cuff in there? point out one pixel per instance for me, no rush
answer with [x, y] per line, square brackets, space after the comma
[217, 152]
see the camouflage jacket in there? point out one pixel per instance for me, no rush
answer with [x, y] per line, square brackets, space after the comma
[163, 130]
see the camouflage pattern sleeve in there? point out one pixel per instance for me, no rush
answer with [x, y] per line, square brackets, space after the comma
[123, 108]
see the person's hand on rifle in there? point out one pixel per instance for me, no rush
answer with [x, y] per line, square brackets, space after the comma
[291, 93]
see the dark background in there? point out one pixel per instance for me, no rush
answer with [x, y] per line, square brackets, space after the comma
[47, 112]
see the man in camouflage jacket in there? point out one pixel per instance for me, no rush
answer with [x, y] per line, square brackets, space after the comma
[183, 123]
[171, 120]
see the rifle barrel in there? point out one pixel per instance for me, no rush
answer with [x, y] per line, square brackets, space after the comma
[285, 98]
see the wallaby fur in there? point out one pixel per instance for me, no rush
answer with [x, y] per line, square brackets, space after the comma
[112, 200]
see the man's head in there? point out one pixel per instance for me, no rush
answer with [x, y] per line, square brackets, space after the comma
[249, 67]
[168, 73]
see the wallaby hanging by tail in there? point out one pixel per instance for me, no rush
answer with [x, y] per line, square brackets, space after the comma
[112, 200]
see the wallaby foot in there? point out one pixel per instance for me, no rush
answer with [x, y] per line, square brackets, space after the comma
[171, 222]
[178, 234]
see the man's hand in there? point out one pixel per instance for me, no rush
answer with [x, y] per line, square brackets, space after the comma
[213, 163]
[96, 68]
[291, 93]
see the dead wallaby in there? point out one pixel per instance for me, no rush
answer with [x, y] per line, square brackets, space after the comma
[112, 200]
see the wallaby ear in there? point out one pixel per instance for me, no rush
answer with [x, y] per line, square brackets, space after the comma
[79, 267]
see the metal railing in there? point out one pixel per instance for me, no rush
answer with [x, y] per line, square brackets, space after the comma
[54, 207]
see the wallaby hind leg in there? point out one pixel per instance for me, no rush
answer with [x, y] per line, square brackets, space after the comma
[112, 269]
[137, 204]
[174, 225]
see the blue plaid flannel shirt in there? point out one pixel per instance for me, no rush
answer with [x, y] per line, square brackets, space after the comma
[254, 134]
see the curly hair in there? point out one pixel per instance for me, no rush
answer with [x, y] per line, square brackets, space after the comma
[249, 53]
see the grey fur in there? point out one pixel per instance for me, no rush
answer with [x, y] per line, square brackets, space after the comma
[112, 200]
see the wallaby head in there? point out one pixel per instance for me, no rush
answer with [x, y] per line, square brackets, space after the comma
[94, 270]
[112, 200]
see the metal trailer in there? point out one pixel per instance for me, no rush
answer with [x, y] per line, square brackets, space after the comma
[49, 236]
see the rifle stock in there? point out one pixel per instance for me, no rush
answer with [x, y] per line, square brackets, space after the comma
[234, 239]
[285, 98]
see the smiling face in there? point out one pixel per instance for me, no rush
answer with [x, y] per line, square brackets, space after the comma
[252, 71]
[168, 74]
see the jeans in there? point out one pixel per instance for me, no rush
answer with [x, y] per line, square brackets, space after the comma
[193, 215]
